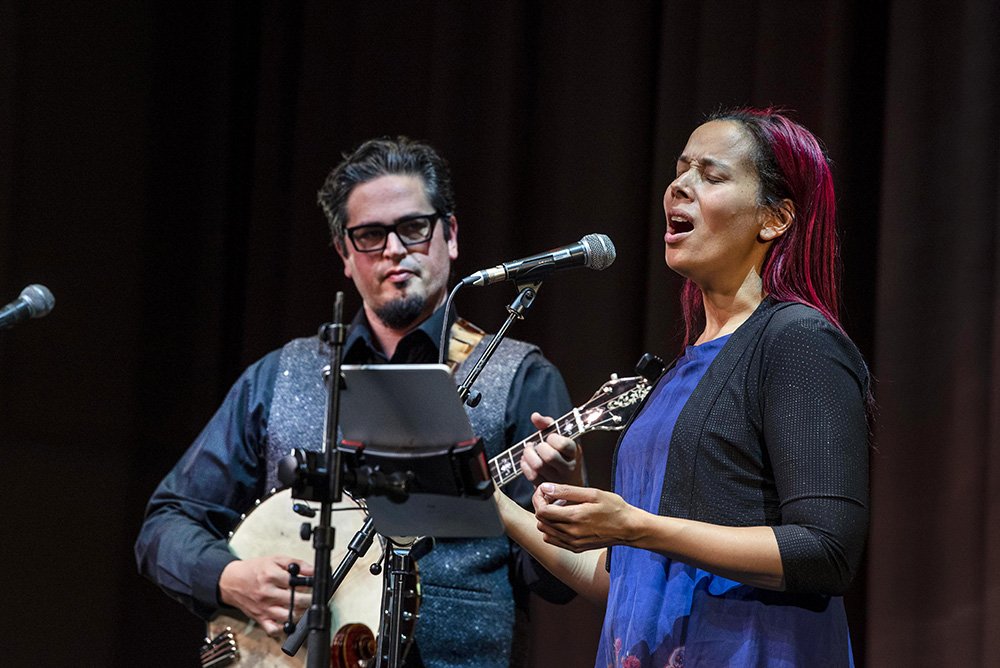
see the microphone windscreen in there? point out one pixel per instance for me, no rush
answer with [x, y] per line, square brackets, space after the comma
[39, 300]
[600, 251]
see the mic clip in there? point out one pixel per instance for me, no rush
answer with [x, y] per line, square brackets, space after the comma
[527, 291]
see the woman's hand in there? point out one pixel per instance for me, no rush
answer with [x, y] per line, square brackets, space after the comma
[584, 518]
[584, 572]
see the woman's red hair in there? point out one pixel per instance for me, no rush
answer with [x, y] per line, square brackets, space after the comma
[802, 265]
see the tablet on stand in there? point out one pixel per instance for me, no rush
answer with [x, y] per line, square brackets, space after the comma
[407, 420]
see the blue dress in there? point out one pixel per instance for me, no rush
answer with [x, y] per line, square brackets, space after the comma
[666, 614]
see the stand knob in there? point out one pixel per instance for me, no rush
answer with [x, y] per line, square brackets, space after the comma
[303, 509]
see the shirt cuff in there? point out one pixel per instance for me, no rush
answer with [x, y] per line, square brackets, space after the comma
[206, 579]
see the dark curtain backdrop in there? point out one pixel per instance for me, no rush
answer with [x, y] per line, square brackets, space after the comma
[158, 169]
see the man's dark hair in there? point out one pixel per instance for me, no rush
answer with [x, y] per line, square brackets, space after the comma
[384, 157]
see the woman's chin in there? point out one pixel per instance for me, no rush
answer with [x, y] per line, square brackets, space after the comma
[675, 261]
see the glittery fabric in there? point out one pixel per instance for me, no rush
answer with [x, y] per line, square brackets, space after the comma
[299, 405]
[467, 618]
[467, 609]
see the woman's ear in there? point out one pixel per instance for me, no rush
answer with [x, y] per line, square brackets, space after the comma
[778, 220]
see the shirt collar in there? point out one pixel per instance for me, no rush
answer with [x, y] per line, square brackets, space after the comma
[360, 346]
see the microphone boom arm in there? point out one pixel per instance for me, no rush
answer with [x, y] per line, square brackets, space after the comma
[516, 310]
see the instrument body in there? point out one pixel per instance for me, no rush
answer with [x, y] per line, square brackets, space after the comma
[272, 527]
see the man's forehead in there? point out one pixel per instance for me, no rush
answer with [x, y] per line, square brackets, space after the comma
[387, 198]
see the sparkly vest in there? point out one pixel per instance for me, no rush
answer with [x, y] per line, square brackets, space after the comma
[467, 603]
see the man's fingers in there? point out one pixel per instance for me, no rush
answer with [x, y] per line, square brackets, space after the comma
[272, 619]
[541, 421]
[562, 452]
[271, 627]
[302, 603]
[530, 463]
[305, 567]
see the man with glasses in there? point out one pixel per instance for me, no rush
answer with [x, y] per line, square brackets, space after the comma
[391, 212]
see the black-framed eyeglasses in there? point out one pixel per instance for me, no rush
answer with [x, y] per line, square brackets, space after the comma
[411, 230]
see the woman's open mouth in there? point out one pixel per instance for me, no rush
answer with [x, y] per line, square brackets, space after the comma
[678, 226]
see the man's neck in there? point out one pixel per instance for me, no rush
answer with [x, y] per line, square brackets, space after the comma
[387, 338]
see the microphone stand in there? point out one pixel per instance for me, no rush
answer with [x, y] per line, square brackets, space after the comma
[356, 549]
[319, 477]
[323, 533]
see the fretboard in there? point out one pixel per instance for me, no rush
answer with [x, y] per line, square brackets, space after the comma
[507, 465]
[608, 410]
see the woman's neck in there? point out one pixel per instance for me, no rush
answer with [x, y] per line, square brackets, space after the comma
[726, 311]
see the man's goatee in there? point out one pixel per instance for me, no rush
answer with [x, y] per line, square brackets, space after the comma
[401, 313]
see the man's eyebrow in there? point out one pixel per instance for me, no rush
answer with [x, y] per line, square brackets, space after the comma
[402, 219]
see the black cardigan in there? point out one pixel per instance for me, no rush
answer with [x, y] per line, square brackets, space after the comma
[776, 434]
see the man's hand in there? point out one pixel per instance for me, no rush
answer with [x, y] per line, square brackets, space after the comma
[558, 459]
[259, 587]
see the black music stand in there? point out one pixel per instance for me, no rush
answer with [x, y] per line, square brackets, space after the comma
[407, 421]
[407, 440]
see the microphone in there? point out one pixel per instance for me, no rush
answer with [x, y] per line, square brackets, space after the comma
[594, 251]
[35, 301]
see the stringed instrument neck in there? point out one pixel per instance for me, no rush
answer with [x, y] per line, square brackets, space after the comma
[608, 410]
